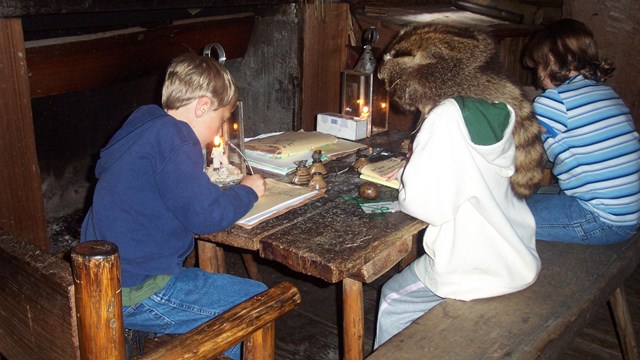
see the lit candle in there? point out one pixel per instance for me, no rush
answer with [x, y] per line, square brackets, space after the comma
[216, 152]
[365, 112]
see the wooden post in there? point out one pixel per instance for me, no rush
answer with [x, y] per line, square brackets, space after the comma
[21, 203]
[353, 314]
[624, 325]
[96, 272]
[261, 344]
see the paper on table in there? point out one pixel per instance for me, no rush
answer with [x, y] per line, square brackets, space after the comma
[376, 171]
[279, 198]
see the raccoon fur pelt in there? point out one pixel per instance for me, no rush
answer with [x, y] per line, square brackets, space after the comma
[427, 64]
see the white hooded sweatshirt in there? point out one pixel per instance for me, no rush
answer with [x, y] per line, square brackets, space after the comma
[481, 237]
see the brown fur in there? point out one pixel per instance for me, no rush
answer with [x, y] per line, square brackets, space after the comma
[427, 64]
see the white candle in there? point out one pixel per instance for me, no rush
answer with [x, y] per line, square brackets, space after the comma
[216, 152]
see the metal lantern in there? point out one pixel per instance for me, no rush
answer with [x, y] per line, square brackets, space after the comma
[225, 162]
[365, 97]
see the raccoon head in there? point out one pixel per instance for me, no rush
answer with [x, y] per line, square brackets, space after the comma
[427, 64]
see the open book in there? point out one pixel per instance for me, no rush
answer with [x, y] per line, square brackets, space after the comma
[376, 172]
[279, 197]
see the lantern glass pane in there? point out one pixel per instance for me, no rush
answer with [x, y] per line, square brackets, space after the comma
[364, 96]
[225, 156]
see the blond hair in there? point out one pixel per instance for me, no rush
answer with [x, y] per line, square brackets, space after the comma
[191, 76]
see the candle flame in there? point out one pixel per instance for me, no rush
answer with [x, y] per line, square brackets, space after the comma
[235, 126]
[217, 141]
[383, 105]
[365, 109]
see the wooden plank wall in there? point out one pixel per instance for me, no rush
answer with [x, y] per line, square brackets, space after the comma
[21, 203]
[615, 26]
[90, 62]
[323, 57]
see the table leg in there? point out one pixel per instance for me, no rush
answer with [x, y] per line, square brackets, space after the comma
[251, 265]
[353, 324]
[210, 257]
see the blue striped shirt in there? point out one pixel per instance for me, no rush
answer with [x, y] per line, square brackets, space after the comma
[591, 139]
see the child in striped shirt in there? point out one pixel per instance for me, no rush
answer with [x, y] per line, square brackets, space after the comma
[589, 137]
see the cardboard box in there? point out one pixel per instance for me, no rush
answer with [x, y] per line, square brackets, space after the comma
[342, 126]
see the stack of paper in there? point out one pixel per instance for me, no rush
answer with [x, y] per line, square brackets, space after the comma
[377, 172]
[279, 152]
[279, 197]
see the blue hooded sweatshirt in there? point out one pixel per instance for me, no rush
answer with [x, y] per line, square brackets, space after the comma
[152, 196]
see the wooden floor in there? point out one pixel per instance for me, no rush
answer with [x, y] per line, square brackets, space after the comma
[312, 331]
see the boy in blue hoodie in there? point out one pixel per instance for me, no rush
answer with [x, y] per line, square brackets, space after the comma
[152, 197]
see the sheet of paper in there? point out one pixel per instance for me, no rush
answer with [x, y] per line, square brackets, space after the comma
[380, 207]
[376, 171]
[278, 198]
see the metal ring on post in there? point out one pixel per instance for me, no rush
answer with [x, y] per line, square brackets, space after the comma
[222, 57]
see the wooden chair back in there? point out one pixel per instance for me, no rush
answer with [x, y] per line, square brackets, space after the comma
[51, 310]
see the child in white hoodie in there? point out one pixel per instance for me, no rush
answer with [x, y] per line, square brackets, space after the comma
[480, 241]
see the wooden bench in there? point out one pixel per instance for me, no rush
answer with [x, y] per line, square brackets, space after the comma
[539, 322]
[49, 311]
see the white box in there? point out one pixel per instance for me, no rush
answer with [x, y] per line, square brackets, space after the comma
[343, 126]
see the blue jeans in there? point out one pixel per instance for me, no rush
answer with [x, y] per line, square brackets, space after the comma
[562, 218]
[403, 299]
[190, 298]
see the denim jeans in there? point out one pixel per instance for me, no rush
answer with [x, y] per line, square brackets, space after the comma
[403, 299]
[562, 218]
[190, 298]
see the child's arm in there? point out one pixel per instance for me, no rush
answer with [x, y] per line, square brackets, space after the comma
[256, 182]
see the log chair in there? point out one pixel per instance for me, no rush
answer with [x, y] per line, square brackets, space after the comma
[51, 310]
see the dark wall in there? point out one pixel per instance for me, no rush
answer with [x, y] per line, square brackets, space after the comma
[71, 128]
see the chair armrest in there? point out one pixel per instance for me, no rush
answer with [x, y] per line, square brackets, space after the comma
[217, 335]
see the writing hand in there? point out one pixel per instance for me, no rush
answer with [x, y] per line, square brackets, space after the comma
[256, 182]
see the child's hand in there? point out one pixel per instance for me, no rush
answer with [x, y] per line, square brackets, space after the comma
[394, 173]
[256, 182]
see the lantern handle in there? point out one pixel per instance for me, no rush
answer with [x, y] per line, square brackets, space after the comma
[370, 36]
[222, 57]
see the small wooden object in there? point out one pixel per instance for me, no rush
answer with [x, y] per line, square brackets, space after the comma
[368, 190]
[317, 181]
[302, 175]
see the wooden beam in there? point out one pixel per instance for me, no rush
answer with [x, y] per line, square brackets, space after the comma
[71, 64]
[14, 8]
[21, 203]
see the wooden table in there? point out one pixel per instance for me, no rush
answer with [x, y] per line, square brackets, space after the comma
[330, 238]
